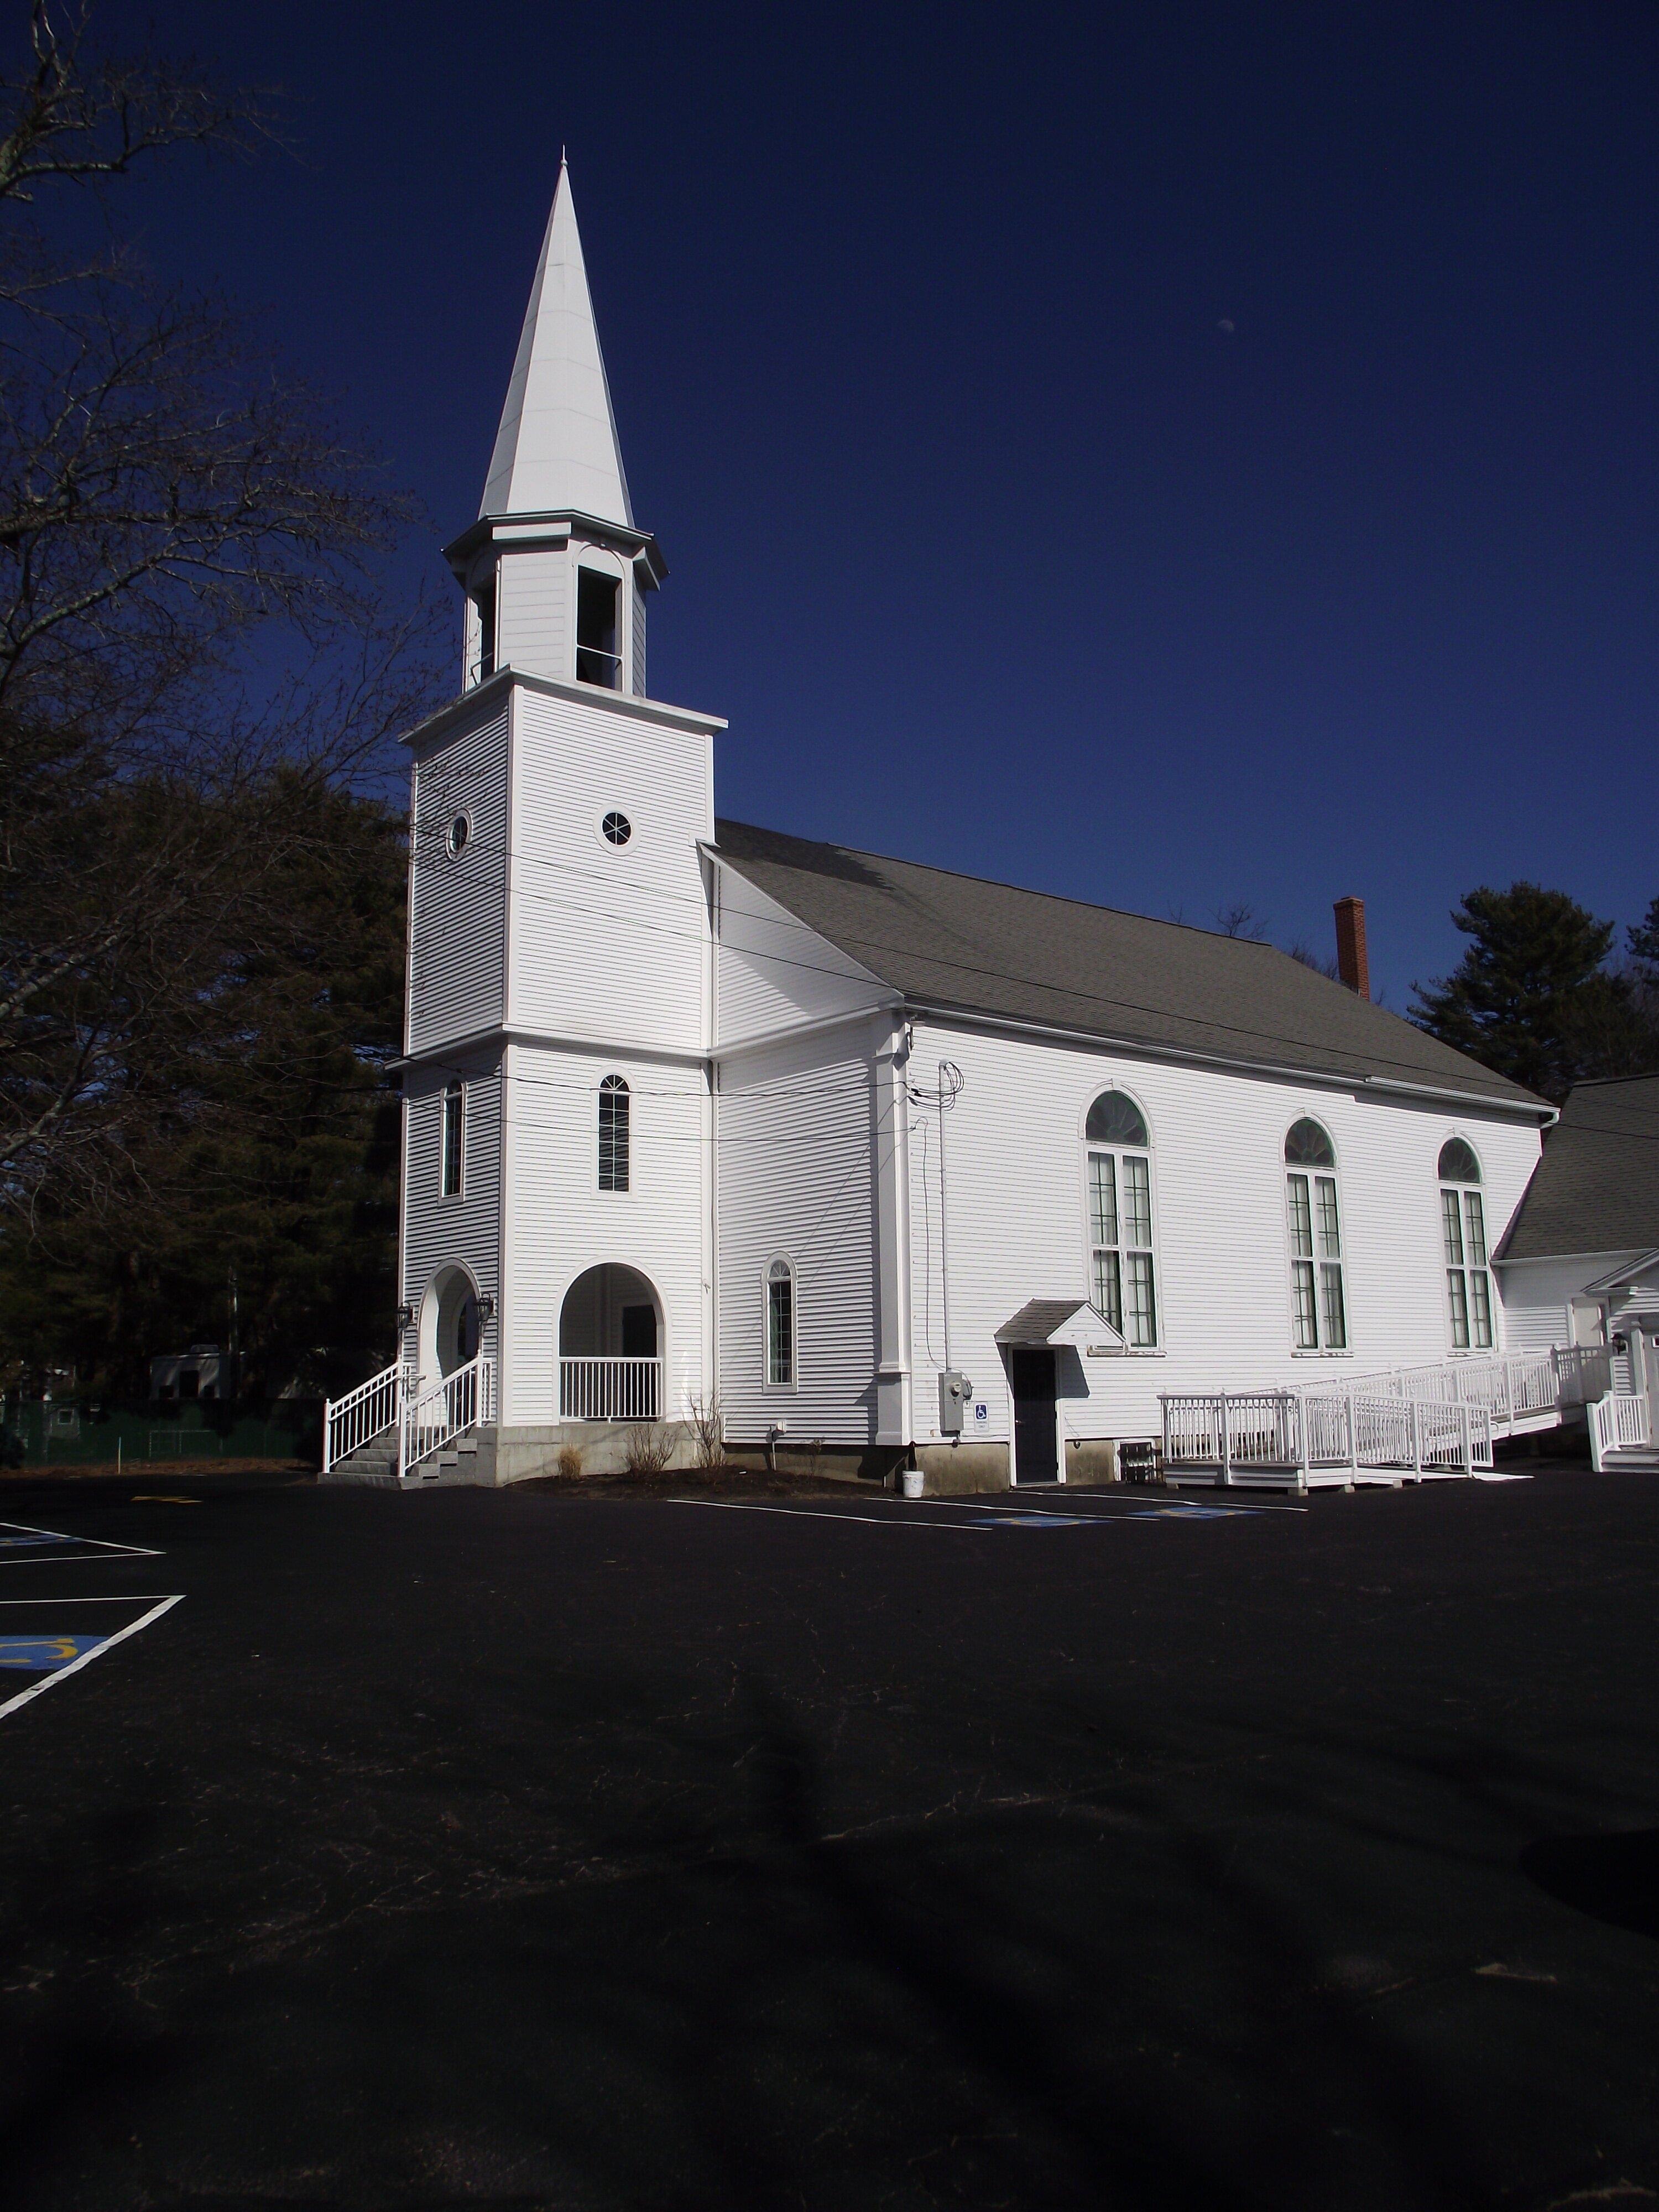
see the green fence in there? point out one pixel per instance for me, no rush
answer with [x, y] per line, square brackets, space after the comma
[70, 1432]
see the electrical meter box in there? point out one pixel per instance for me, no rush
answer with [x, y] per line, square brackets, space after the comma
[956, 1395]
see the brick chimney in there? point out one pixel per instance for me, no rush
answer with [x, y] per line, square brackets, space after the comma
[1353, 964]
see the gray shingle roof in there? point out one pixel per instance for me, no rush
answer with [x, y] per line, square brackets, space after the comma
[1037, 1320]
[1596, 1188]
[956, 941]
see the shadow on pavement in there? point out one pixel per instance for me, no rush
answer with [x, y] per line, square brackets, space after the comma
[1612, 1878]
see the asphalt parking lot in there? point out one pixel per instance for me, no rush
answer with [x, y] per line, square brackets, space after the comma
[467, 1849]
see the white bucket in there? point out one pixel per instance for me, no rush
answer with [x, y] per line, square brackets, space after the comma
[911, 1479]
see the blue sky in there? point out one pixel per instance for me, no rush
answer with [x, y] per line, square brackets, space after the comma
[1170, 455]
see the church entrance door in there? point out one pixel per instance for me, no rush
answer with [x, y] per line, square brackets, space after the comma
[1037, 1458]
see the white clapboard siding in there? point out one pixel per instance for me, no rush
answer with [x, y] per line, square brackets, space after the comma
[1538, 1294]
[1018, 1229]
[609, 943]
[459, 907]
[559, 1223]
[533, 628]
[442, 1232]
[797, 1172]
[772, 972]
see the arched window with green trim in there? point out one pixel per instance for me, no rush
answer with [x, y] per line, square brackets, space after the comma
[1319, 1304]
[1463, 1230]
[1123, 1266]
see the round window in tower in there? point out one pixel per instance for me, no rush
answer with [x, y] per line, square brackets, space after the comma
[616, 828]
[458, 836]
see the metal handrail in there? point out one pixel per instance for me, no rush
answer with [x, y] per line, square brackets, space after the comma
[365, 1412]
[463, 1400]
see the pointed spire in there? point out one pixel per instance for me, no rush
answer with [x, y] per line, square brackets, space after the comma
[556, 450]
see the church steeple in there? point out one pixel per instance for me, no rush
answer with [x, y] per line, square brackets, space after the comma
[555, 570]
[557, 447]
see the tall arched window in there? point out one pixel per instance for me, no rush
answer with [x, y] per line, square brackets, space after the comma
[613, 1133]
[1463, 1225]
[781, 1325]
[1317, 1301]
[1121, 1218]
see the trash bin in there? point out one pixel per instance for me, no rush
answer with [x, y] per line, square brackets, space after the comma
[1137, 1461]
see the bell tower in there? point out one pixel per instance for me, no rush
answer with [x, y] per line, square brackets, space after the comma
[559, 1122]
[553, 571]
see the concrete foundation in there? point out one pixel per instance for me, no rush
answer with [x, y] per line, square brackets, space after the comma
[523, 1454]
[495, 1458]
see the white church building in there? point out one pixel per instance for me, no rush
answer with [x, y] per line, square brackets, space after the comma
[898, 1170]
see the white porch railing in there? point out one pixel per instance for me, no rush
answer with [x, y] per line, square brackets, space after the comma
[1618, 1422]
[463, 1400]
[1267, 1431]
[1526, 1386]
[1586, 1372]
[606, 1390]
[365, 1412]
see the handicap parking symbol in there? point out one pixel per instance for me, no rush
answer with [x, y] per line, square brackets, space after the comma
[42, 1655]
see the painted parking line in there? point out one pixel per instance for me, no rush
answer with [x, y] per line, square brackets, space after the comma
[23, 1545]
[64, 1655]
[979, 1518]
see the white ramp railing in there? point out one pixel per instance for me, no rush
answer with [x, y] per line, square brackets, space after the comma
[1618, 1422]
[1525, 1386]
[463, 1400]
[1585, 1372]
[606, 1390]
[365, 1412]
[1265, 1432]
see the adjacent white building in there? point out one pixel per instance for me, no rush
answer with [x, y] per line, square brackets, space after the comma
[898, 1165]
[1579, 1262]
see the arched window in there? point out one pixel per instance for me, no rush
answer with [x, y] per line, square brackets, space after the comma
[454, 1140]
[781, 1325]
[613, 1133]
[1463, 1225]
[1125, 1286]
[1317, 1301]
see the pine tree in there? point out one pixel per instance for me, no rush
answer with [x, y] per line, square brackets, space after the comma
[1533, 998]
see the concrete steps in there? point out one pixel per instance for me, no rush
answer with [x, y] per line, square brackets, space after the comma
[375, 1463]
[468, 1460]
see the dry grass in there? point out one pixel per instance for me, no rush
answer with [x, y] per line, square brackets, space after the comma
[570, 1462]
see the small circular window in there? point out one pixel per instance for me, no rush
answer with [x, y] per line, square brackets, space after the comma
[617, 829]
[458, 836]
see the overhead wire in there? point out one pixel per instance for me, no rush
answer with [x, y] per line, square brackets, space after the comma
[878, 947]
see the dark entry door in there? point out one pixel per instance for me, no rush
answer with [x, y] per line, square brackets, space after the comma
[1036, 1448]
[639, 1332]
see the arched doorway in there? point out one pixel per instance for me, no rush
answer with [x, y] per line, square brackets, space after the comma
[611, 1345]
[450, 1330]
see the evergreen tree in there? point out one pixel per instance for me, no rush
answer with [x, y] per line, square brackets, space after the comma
[275, 1161]
[1532, 997]
[1645, 938]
